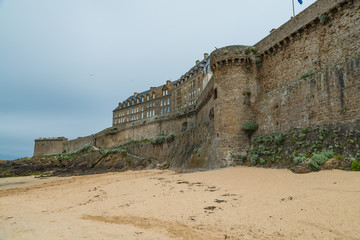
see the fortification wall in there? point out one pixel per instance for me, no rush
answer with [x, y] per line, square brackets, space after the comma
[312, 77]
[305, 45]
[159, 125]
[329, 97]
[139, 131]
[304, 74]
[193, 143]
[49, 145]
[78, 143]
[303, 20]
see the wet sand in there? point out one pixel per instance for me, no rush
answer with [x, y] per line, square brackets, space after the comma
[233, 203]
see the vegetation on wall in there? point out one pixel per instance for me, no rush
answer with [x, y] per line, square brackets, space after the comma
[106, 151]
[308, 74]
[158, 140]
[312, 146]
[324, 18]
[250, 126]
[355, 165]
[249, 50]
[319, 159]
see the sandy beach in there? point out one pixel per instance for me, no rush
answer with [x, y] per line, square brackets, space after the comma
[233, 203]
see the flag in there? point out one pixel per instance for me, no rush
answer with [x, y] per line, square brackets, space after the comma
[300, 1]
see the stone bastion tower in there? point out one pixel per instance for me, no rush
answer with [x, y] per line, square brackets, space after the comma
[234, 69]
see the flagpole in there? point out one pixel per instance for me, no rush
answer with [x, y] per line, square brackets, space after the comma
[293, 8]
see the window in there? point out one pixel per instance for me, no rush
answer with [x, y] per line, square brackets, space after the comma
[147, 97]
[161, 103]
[168, 101]
[168, 109]
[153, 95]
[142, 115]
[153, 112]
[166, 92]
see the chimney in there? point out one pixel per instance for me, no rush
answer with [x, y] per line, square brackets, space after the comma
[151, 88]
[168, 82]
[197, 62]
[206, 55]
[135, 94]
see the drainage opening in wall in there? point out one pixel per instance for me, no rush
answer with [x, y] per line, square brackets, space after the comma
[217, 134]
[215, 93]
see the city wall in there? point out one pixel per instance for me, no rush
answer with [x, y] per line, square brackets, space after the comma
[49, 145]
[309, 74]
[304, 74]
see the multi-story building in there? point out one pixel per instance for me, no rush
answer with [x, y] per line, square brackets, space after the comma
[167, 98]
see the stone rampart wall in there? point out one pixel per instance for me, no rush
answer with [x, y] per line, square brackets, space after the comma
[312, 49]
[304, 74]
[313, 78]
[329, 97]
[49, 146]
[78, 143]
[305, 19]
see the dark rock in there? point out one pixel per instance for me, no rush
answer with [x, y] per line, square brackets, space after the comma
[301, 168]
[332, 163]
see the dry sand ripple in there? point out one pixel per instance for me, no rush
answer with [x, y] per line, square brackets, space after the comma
[233, 203]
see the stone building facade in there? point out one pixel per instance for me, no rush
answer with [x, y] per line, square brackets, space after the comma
[165, 99]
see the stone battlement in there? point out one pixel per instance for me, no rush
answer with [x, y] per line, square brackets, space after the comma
[62, 139]
[301, 23]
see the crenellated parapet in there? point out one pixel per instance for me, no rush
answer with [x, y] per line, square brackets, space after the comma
[317, 14]
[230, 55]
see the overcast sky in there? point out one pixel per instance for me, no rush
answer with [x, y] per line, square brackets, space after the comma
[65, 64]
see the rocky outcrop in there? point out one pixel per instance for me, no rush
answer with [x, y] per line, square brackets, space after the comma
[88, 162]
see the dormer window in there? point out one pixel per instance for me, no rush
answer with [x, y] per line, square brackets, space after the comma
[147, 97]
[153, 95]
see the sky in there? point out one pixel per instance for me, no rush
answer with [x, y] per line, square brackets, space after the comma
[66, 64]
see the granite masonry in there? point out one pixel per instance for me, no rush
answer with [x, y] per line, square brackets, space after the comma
[304, 75]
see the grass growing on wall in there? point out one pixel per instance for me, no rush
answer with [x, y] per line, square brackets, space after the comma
[317, 145]
[108, 151]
